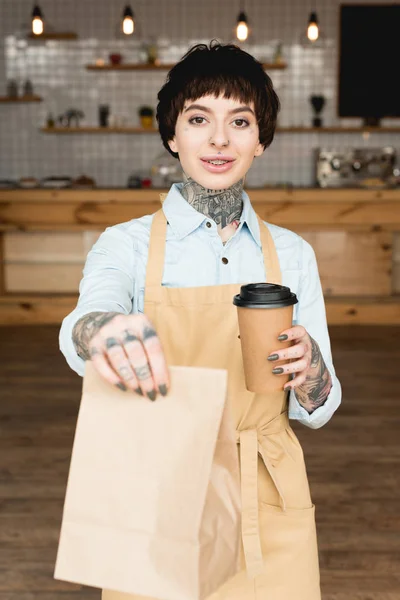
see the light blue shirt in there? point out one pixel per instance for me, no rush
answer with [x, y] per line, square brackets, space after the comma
[115, 272]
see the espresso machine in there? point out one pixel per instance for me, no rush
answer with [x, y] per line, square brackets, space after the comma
[357, 167]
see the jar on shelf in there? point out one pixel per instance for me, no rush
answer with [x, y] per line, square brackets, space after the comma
[28, 88]
[12, 88]
[146, 115]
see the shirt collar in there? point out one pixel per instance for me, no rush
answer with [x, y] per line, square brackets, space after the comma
[183, 218]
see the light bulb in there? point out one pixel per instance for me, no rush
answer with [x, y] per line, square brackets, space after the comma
[37, 20]
[37, 26]
[313, 29]
[313, 32]
[128, 26]
[242, 29]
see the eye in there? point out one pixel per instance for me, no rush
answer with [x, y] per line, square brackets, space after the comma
[195, 118]
[195, 121]
[243, 121]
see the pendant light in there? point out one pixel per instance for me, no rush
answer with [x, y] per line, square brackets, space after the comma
[37, 20]
[313, 28]
[312, 36]
[128, 24]
[242, 27]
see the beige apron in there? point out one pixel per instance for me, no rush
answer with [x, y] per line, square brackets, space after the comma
[198, 326]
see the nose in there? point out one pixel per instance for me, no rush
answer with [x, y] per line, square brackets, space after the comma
[219, 138]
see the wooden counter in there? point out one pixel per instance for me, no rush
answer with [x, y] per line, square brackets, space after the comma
[353, 232]
[312, 209]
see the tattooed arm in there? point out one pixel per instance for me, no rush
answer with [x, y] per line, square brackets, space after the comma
[86, 328]
[317, 395]
[314, 392]
[106, 289]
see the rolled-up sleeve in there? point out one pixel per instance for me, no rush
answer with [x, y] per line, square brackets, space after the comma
[312, 316]
[107, 286]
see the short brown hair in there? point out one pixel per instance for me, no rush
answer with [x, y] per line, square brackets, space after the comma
[217, 70]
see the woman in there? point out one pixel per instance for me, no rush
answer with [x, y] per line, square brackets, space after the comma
[158, 290]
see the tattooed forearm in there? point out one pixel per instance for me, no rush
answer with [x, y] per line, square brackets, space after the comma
[86, 328]
[315, 390]
[315, 354]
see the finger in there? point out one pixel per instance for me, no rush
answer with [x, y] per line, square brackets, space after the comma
[133, 347]
[156, 357]
[103, 367]
[136, 353]
[121, 364]
[294, 333]
[296, 351]
[294, 367]
[295, 382]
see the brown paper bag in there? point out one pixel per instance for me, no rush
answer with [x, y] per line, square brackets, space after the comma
[153, 496]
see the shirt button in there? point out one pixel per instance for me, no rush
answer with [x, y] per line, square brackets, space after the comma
[225, 260]
[208, 224]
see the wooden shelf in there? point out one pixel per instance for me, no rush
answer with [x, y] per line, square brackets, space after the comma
[158, 67]
[105, 130]
[60, 35]
[108, 130]
[8, 100]
[338, 129]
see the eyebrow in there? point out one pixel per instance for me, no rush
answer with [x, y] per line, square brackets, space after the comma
[208, 110]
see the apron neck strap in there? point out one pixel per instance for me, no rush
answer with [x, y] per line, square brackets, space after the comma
[271, 261]
[156, 256]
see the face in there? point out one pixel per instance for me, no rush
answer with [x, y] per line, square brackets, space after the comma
[208, 127]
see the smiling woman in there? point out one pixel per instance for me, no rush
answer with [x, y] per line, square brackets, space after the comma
[217, 111]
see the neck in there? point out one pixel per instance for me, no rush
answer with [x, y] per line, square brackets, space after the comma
[223, 206]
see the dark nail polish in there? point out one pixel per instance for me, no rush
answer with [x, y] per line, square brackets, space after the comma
[277, 371]
[121, 386]
[283, 337]
[152, 395]
[273, 357]
[139, 391]
[163, 389]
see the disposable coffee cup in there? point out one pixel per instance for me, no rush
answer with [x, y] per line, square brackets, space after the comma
[264, 311]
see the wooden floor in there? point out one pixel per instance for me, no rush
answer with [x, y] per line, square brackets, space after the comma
[353, 464]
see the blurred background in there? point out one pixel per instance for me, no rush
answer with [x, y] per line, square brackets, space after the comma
[89, 66]
[80, 151]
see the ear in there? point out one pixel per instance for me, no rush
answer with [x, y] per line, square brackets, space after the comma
[259, 150]
[172, 145]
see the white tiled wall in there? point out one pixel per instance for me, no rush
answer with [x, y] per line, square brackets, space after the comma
[58, 74]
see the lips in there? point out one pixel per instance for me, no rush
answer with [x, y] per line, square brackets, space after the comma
[219, 168]
[217, 157]
[212, 160]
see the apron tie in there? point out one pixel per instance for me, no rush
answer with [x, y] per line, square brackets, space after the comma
[250, 447]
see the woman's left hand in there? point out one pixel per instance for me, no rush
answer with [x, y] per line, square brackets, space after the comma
[305, 350]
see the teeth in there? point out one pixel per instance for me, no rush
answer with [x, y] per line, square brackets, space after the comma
[217, 162]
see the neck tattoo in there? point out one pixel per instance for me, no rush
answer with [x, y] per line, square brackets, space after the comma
[223, 206]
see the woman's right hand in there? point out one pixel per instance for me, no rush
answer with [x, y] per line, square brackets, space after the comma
[127, 352]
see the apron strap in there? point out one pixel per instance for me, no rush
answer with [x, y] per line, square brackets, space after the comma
[271, 261]
[249, 449]
[249, 491]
